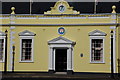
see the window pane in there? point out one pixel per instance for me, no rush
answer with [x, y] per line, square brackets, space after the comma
[1, 49]
[26, 49]
[97, 50]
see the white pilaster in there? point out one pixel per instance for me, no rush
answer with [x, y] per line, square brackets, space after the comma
[12, 18]
[69, 59]
[114, 20]
[114, 50]
[53, 58]
[114, 47]
[50, 58]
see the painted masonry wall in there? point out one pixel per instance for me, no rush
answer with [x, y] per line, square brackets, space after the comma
[79, 34]
[82, 46]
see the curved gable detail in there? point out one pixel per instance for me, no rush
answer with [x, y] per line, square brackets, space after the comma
[62, 7]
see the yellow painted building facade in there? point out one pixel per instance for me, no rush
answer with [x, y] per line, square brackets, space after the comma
[83, 40]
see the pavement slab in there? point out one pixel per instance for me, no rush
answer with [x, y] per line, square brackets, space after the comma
[46, 76]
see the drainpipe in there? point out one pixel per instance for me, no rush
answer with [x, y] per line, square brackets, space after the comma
[5, 64]
[13, 58]
[112, 68]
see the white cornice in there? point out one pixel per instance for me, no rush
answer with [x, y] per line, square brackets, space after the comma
[86, 24]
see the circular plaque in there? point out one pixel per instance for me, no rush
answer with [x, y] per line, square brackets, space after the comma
[61, 8]
[61, 31]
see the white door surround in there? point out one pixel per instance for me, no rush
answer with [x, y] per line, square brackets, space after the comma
[61, 43]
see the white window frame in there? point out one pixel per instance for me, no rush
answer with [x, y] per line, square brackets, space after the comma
[3, 37]
[32, 53]
[97, 37]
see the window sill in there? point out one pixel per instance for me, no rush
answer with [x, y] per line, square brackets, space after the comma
[26, 62]
[97, 62]
[1, 61]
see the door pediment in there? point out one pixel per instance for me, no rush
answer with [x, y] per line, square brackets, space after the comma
[61, 40]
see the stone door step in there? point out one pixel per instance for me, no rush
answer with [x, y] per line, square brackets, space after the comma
[61, 73]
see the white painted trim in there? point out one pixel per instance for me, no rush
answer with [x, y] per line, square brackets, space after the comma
[27, 61]
[32, 54]
[112, 27]
[53, 54]
[62, 18]
[13, 27]
[114, 16]
[97, 17]
[69, 59]
[49, 18]
[60, 45]
[114, 47]
[72, 58]
[57, 17]
[12, 18]
[12, 22]
[11, 49]
[50, 59]
[97, 62]
[26, 17]
[4, 18]
[97, 37]
[74, 17]
[3, 37]
[26, 37]
[114, 51]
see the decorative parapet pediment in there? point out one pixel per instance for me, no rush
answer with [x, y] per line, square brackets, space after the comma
[62, 7]
[26, 33]
[2, 33]
[61, 40]
[97, 33]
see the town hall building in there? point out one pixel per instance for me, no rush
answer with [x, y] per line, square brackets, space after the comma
[60, 40]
